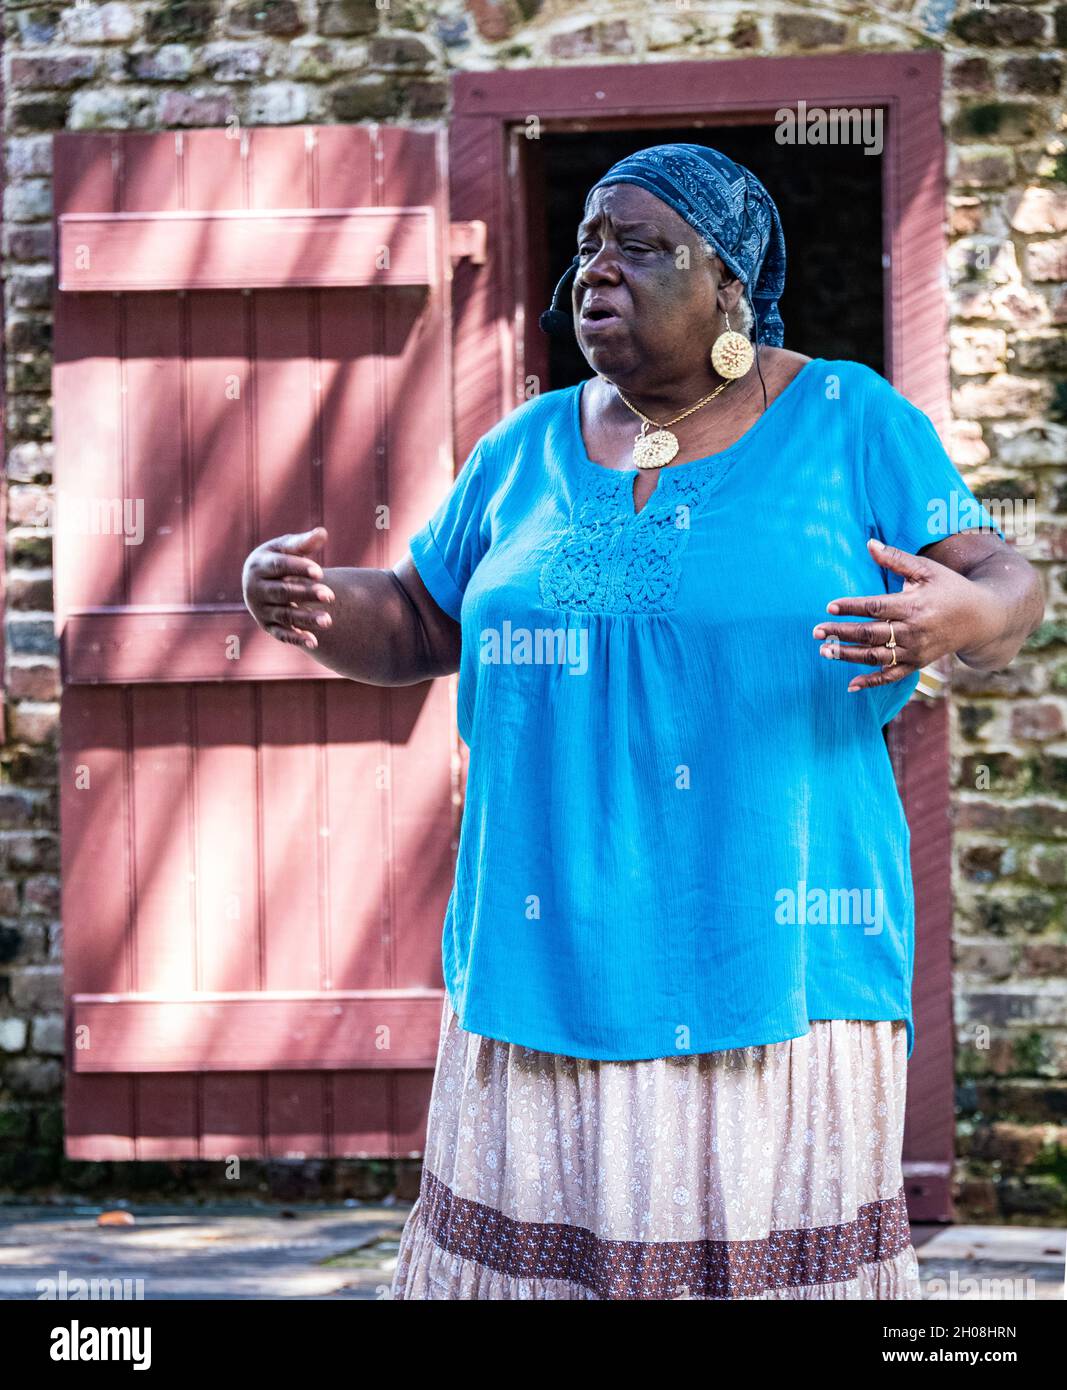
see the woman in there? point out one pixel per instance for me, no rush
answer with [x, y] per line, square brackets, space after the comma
[678, 950]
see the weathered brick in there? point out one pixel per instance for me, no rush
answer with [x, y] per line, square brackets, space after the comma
[29, 417]
[39, 112]
[277, 103]
[1020, 678]
[28, 333]
[173, 62]
[1042, 818]
[965, 444]
[1045, 353]
[28, 679]
[279, 18]
[28, 462]
[348, 18]
[1047, 260]
[1040, 1197]
[1012, 122]
[982, 1055]
[975, 1199]
[109, 23]
[1044, 1004]
[808, 31]
[971, 75]
[993, 960]
[195, 108]
[1036, 719]
[986, 166]
[29, 504]
[375, 98]
[46, 1035]
[180, 19]
[495, 19]
[1038, 77]
[1038, 210]
[30, 590]
[1029, 445]
[1002, 26]
[1010, 914]
[1044, 958]
[238, 62]
[37, 989]
[424, 99]
[52, 70]
[998, 398]
[1019, 306]
[28, 200]
[1039, 1102]
[399, 52]
[985, 863]
[973, 718]
[31, 636]
[604, 38]
[29, 374]
[28, 243]
[33, 1076]
[111, 108]
[12, 1036]
[16, 1121]
[966, 215]
[987, 259]
[978, 351]
[1013, 1144]
[1002, 773]
[745, 33]
[33, 722]
[27, 156]
[37, 25]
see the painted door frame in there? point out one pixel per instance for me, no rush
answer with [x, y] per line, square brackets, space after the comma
[495, 348]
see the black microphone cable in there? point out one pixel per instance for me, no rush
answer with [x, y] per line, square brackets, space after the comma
[556, 319]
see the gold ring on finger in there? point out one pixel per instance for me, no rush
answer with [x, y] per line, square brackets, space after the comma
[892, 638]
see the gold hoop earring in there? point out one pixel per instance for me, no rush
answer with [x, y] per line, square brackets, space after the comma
[731, 354]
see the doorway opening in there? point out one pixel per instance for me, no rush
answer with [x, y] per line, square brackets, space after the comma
[829, 198]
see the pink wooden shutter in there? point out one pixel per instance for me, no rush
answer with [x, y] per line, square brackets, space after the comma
[252, 337]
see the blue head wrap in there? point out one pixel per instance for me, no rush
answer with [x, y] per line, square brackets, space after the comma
[730, 209]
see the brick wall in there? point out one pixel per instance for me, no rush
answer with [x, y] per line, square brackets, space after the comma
[150, 65]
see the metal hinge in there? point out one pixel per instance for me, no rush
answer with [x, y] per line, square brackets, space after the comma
[467, 239]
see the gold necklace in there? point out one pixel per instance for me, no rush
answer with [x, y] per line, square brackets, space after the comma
[655, 450]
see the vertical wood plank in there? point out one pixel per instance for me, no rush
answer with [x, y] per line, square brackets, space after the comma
[263, 836]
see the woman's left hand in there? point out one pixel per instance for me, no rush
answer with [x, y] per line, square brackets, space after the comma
[936, 612]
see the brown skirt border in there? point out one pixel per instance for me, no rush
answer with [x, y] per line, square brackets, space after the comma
[630, 1269]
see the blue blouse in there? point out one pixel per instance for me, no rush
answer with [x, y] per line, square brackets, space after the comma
[681, 833]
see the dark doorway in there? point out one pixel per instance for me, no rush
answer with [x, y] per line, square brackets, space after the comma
[830, 201]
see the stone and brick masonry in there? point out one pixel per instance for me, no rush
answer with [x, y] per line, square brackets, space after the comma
[146, 65]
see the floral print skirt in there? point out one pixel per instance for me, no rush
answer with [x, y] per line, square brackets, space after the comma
[759, 1172]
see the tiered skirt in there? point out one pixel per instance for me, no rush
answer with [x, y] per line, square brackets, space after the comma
[771, 1171]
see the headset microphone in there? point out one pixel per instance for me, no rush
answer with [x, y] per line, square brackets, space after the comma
[557, 319]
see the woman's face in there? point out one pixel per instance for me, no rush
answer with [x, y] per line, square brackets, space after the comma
[648, 272]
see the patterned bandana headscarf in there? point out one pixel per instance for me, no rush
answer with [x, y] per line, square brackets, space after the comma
[730, 209]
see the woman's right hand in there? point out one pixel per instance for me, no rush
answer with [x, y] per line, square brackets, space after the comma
[283, 588]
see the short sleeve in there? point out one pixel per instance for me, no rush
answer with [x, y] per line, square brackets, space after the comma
[448, 548]
[915, 494]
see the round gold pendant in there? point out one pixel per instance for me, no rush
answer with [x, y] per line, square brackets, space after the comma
[654, 450]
